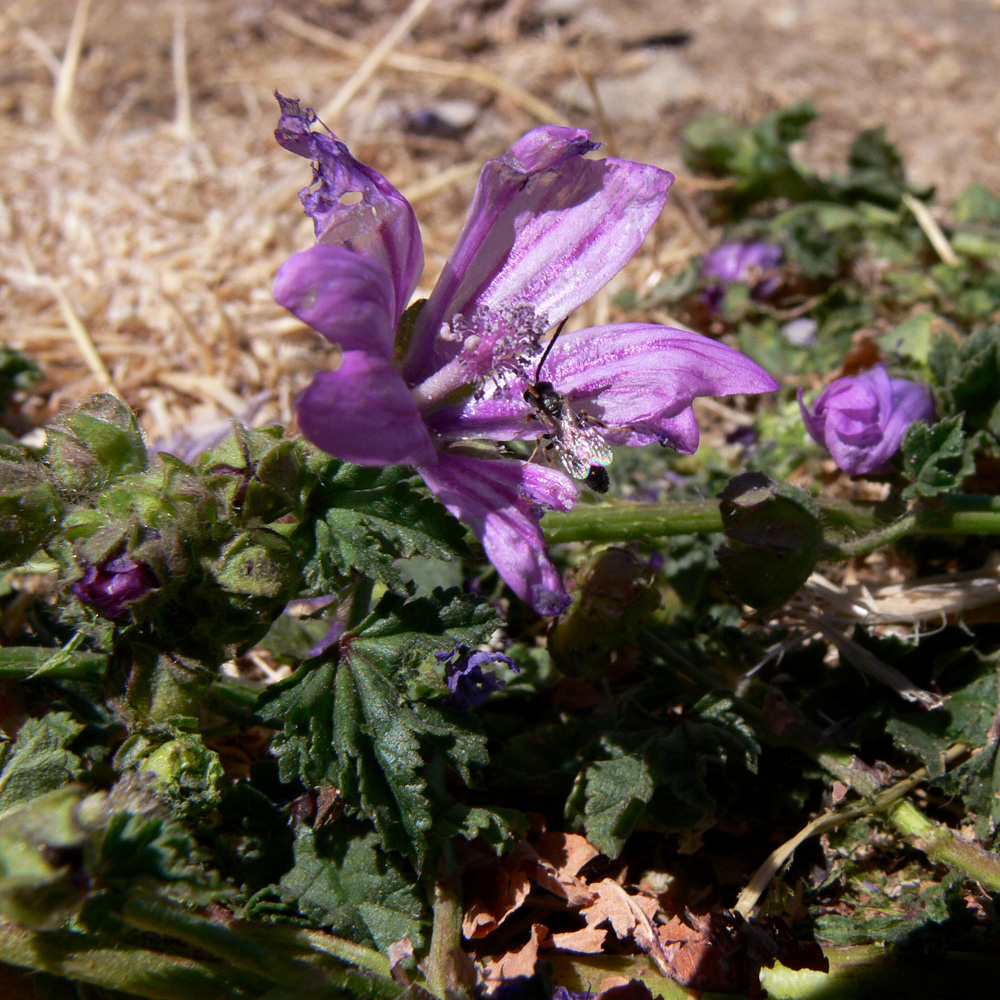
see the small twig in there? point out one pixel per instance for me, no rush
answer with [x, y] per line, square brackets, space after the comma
[750, 897]
[76, 328]
[349, 89]
[932, 230]
[607, 134]
[534, 106]
[183, 125]
[431, 185]
[62, 98]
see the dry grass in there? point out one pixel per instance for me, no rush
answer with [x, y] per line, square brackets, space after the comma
[144, 207]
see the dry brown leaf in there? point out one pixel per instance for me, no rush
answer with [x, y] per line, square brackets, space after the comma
[496, 893]
[587, 940]
[560, 856]
[514, 963]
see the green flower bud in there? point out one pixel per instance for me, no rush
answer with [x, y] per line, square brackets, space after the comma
[259, 474]
[30, 509]
[41, 860]
[96, 443]
[259, 563]
[774, 537]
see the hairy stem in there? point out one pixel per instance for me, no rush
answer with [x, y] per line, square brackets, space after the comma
[622, 521]
[136, 971]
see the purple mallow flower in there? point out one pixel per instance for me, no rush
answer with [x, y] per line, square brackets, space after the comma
[862, 419]
[470, 686]
[744, 262]
[547, 229]
[111, 587]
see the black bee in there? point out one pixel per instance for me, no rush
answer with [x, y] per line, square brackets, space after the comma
[581, 449]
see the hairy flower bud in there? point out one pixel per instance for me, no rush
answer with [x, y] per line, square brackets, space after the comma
[115, 584]
[95, 443]
[862, 419]
[30, 508]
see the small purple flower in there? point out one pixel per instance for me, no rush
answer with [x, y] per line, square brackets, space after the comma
[862, 419]
[436, 389]
[744, 262]
[470, 686]
[110, 588]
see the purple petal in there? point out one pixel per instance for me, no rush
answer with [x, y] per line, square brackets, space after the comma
[342, 295]
[364, 413]
[637, 378]
[500, 500]
[379, 225]
[546, 228]
[640, 379]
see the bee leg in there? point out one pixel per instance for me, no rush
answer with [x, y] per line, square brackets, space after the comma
[543, 448]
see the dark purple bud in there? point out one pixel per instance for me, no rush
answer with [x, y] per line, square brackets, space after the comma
[110, 588]
[862, 419]
[469, 684]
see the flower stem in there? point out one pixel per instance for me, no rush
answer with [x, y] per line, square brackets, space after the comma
[623, 521]
[174, 920]
[136, 971]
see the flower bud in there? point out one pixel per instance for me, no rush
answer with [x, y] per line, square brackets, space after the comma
[30, 510]
[95, 443]
[862, 419]
[112, 586]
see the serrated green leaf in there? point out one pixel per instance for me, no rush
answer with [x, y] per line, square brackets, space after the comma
[616, 792]
[968, 374]
[928, 747]
[342, 879]
[352, 724]
[368, 518]
[935, 458]
[38, 761]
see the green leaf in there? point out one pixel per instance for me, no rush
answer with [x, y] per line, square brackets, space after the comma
[935, 458]
[38, 761]
[352, 723]
[875, 169]
[968, 373]
[757, 157]
[365, 519]
[343, 880]
[977, 204]
[24, 662]
[616, 792]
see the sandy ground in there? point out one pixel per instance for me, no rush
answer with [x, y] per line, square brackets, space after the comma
[144, 206]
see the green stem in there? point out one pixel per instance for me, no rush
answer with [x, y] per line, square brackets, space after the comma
[622, 521]
[173, 920]
[136, 971]
[448, 968]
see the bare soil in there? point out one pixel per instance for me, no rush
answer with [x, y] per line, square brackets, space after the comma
[144, 206]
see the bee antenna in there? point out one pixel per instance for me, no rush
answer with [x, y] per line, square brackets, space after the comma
[548, 347]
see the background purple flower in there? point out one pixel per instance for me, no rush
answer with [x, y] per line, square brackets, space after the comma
[469, 684]
[742, 262]
[862, 419]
